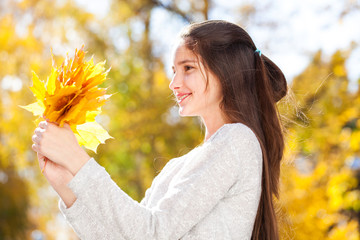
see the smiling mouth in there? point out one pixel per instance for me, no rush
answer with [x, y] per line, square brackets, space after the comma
[180, 99]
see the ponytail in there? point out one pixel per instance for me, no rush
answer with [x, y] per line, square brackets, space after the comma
[271, 87]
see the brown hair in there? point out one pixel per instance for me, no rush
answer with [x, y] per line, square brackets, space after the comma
[251, 86]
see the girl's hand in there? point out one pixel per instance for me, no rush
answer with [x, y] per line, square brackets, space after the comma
[60, 145]
[58, 177]
[55, 174]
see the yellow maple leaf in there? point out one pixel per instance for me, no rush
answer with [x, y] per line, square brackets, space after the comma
[91, 134]
[71, 95]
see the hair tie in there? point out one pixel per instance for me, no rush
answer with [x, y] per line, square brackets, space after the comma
[258, 51]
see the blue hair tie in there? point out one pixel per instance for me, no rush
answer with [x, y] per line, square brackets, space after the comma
[258, 51]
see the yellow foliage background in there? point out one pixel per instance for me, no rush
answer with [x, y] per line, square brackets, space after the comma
[320, 194]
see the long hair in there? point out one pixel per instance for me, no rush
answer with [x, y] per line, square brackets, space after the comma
[251, 86]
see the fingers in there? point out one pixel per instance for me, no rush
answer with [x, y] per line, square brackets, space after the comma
[38, 136]
[36, 139]
[43, 124]
[41, 129]
[38, 133]
[36, 147]
[53, 141]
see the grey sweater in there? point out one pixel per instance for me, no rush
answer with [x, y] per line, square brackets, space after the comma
[212, 192]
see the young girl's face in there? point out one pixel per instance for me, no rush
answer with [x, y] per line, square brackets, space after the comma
[189, 86]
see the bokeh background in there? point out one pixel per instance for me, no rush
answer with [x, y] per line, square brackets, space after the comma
[316, 43]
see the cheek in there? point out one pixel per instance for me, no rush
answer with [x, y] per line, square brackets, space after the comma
[215, 97]
[195, 84]
[215, 93]
[202, 85]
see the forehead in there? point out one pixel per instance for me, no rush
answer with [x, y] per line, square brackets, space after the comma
[182, 53]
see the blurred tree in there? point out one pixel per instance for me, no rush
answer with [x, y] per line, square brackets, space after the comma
[14, 203]
[146, 127]
[319, 188]
[14, 191]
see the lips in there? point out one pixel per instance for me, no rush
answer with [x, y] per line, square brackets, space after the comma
[182, 97]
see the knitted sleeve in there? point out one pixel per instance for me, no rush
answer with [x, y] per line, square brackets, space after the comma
[201, 183]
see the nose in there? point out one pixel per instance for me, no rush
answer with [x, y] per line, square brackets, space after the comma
[176, 82]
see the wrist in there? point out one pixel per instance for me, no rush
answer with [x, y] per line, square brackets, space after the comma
[66, 194]
[78, 161]
[60, 183]
[57, 176]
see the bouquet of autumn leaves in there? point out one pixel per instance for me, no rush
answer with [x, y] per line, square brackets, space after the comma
[71, 95]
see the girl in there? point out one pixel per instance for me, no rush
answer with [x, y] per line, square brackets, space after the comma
[223, 188]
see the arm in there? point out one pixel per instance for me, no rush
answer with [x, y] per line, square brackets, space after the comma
[81, 219]
[170, 165]
[58, 177]
[205, 180]
[84, 223]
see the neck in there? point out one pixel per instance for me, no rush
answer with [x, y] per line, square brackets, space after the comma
[212, 124]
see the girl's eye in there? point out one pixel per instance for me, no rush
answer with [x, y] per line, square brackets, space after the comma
[187, 68]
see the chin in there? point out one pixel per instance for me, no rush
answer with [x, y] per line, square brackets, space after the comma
[184, 113]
